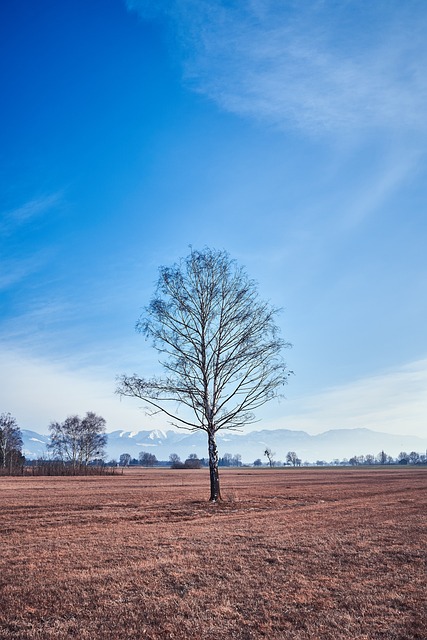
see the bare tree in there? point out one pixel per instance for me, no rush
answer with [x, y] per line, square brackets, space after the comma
[64, 439]
[270, 455]
[147, 459]
[403, 458]
[125, 459]
[78, 441]
[226, 460]
[414, 457]
[292, 458]
[10, 441]
[237, 460]
[220, 346]
[382, 457]
[93, 437]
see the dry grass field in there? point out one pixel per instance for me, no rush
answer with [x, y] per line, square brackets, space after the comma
[289, 553]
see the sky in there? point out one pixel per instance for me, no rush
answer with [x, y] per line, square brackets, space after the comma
[292, 135]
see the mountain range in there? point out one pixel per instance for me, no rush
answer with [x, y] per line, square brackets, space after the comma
[336, 443]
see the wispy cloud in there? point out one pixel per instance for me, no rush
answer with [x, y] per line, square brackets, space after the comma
[37, 323]
[15, 265]
[13, 271]
[321, 66]
[12, 219]
[381, 186]
[393, 401]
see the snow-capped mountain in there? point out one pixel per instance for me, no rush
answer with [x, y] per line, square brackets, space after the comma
[338, 443]
[34, 444]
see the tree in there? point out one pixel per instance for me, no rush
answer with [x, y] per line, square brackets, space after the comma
[10, 441]
[174, 459]
[147, 459]
[226, 460]
[78, 441]
[237, 460]
[403, 458]
[125, 459]
[258, 462]
[220, 345]
[414, 457]
[382, 457]
[292, 458]
[270, 454]
[94, 438]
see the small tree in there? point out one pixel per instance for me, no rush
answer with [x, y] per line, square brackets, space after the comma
[10, 441]
[226, 460]
[125, 459]
[292, 458]
[382, 457]
[403, 458]
[147, 459]
[414, 457]
[258, 462]
[270, 455]
[237, 460]
[220, 345]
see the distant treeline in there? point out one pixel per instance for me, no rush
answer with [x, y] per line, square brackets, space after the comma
[78, 447]
[59, 468]
[381, 458]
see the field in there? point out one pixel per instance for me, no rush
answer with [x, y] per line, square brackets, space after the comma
[289, 553]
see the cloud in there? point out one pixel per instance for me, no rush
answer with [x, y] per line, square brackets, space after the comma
[35, 208]
[40, 325]
[393, 402]
[322, 66]
[381, 185]
[37, 391]
[13, 271]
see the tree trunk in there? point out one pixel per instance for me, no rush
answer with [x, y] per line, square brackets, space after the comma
[213, 467]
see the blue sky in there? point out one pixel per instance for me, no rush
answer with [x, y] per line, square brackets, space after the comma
[291, 134]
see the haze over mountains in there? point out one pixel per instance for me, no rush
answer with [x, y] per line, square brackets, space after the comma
[337, 443]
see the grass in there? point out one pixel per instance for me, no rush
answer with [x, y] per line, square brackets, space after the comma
[289, 553]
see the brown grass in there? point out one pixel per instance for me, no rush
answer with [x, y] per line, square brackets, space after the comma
[290, 553]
